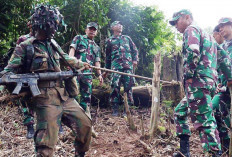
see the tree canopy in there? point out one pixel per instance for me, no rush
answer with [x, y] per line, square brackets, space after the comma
[145, 25]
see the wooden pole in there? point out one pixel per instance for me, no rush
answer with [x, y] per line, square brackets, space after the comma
[129, 117]
[155, 95]
[132, 75]
[230, 148]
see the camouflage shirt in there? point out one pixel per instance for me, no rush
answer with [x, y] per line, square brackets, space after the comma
[86, 49]
[227, 45]
[44, 57]
[224, 66]
[199, 54]
[23, 38]
[120, 52]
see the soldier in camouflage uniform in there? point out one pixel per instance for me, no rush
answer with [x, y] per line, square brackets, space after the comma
[41, 54]
[200, 63]
[122, 56]
[222, 99]
[85, 49]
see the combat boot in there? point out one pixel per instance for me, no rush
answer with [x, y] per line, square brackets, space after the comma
[184, 147]
[81, 154]
[115, 110]
[30, 131]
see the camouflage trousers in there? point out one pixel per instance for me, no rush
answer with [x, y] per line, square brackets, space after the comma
[221, 107]
[27, 111]
[53, 106]
[85, 85]
[198, 104]
[127, 81]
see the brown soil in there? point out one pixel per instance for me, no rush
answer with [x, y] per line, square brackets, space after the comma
[115, 139]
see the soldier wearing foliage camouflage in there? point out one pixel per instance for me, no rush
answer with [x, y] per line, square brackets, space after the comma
[200, 63]
[41, 54]
[85, 49]
[122, 56]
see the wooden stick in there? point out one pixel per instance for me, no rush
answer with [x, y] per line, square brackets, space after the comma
[142, 126]
[230, 148]
[155, 95]
[129, 117]
[132, 75]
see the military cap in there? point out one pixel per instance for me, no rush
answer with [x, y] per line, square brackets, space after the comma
[224, 20]
[178, 14]
[115, 23]
[92, 24]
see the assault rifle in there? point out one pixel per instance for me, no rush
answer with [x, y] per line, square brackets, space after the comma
[31, 79]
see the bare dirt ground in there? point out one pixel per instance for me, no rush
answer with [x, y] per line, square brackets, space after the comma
[115, 139]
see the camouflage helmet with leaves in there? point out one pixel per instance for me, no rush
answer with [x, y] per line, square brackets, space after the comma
[46, 17]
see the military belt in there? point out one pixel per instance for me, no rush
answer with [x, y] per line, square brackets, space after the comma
[50, 84]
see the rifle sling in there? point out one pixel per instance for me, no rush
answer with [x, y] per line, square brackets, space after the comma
[65, 61]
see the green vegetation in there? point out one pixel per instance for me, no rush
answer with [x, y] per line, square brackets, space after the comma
[145, 25]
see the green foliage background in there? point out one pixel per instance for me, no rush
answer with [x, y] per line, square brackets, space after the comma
[145, 25]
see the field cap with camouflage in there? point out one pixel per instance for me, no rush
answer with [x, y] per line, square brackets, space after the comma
[224, 20]
[177, 15]
[115, 23]
[92, 24]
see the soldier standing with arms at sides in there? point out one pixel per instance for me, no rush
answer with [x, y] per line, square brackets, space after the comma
[84, 48]
[200, 62]
[223, 114]
[122, 56]
[42, 54]
[221, 101]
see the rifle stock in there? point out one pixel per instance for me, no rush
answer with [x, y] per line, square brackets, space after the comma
[32, 79]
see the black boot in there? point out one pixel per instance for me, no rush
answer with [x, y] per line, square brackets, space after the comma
[30, 131]
[184, 147]
[82, 154]
[115, 110]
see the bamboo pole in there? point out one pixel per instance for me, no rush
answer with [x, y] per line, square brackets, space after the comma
[132, 75]
[155, 95]
[129, 117]
[230, 148]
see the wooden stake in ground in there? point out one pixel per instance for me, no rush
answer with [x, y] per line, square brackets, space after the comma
[230, 148]
[129, 117]
[155, 95]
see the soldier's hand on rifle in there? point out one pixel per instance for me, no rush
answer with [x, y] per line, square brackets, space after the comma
[104, 75]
